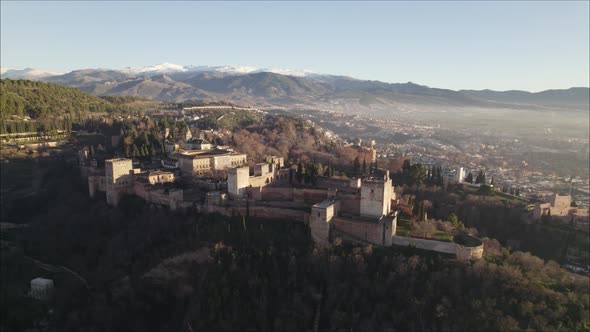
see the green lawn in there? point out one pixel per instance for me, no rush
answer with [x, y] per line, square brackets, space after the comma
[404, 228]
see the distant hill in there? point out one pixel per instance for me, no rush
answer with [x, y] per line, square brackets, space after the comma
[38, 100]
[251, 86]
[570, 97]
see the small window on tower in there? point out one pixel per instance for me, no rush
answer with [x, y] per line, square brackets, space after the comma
[372, 191]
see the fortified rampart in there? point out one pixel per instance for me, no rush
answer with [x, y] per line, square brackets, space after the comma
[169, 197]
[260, 211]
[462, 252]
[287, 194]
[376, 232]
[559, 207]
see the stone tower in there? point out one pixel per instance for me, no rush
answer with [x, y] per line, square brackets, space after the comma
[320, 218]
[237, 181]
[118, 178]
[376, 196]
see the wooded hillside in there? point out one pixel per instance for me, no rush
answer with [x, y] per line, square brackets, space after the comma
[41, 100]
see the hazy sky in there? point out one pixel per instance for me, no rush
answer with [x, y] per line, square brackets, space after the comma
[498, 45]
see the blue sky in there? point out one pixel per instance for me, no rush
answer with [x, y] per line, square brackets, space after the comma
[458, 45]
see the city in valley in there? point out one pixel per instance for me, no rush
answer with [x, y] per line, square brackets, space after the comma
[138, 195]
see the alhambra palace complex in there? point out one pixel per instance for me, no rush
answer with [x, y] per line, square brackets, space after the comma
[359, 210]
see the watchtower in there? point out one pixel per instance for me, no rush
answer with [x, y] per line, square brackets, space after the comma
[238, 181]
[118, 177]
[376, 196]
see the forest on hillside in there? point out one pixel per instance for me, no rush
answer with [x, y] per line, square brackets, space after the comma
[151, 269]
[39, 100]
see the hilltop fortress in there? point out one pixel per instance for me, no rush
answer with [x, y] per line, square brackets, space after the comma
[560, 208]
[357, 210]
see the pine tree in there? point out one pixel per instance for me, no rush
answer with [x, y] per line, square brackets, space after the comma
[422, 211]
[299, 174]
[469, 177]
[406, 166]
[415, 208]
[364, 166]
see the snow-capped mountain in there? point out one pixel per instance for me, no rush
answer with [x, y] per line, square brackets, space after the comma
[161, 68]
[27, 73]
[173, 68]
[164, 68]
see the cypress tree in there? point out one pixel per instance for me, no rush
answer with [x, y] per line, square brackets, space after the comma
[136, 152]
[356, 165]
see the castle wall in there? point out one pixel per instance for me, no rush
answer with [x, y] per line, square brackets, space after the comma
[323, 182]
[461, 252]
[469, 253]
[114, 194]
[262, 212]
[374, 232]
[172, 198]
[432, 245]
[96, 183]
[350, 203]
[559, 207]
[261, 169]
[310, 195]
[541, 209]
[261, 180]
[277, 194]
[254, 193]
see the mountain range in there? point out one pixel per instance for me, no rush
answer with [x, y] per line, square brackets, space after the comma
[292, 88]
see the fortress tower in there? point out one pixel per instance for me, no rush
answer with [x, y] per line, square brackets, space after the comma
[118, 174]
[560, 203]
[237, 181]
[319, 220]
[376, 196]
